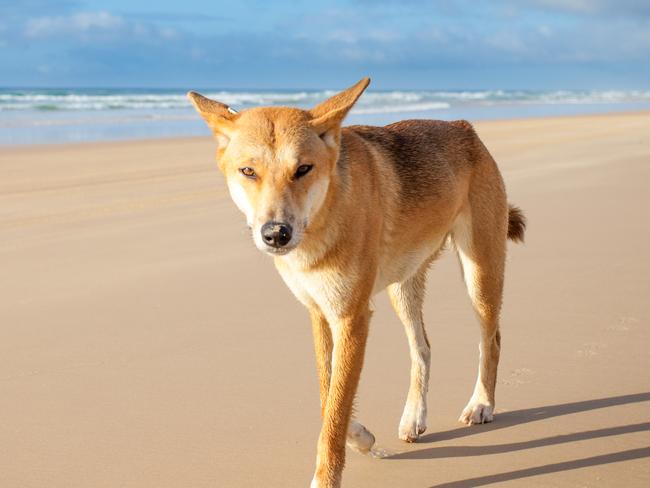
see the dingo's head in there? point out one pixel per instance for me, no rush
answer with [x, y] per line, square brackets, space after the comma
[278, 162]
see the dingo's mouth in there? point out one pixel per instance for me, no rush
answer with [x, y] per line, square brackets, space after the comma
[276, 251]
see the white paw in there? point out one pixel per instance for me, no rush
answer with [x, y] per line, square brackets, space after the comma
[413, 423]
[477, 413]
[359, 438]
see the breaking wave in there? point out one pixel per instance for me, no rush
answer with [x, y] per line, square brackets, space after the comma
[374, 102]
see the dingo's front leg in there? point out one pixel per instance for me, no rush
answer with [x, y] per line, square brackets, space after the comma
[349, 336]
[358, 438]
[323, 348]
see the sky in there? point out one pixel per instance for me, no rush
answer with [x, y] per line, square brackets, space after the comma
[252, 44]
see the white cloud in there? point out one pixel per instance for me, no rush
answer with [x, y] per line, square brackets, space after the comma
[80, 22]
[580, 6]
[594, 7]
[96, 27]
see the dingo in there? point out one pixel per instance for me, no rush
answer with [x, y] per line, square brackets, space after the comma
[347, 212]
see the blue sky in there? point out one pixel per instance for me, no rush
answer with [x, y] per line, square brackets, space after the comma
[534, 44]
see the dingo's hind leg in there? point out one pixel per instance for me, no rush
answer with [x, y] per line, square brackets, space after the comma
[407, 298]
[480, 240]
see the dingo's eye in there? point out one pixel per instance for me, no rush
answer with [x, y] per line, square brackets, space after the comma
[248, 172]
[302, 170]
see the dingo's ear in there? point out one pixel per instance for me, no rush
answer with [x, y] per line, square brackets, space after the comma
[328, 115]
[219, 117]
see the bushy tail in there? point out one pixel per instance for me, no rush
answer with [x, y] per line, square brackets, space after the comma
[516, 224]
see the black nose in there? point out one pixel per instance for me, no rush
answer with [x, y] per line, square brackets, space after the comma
[276, 234]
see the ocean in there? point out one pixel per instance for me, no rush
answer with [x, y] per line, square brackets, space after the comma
[35, 116]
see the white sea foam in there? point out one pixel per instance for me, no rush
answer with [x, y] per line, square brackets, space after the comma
[373, 102]
[405, 107]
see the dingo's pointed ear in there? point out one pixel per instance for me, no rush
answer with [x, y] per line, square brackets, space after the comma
[328, 115]
[219, 117]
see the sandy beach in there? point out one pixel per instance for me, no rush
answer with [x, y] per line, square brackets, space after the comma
[145, 342]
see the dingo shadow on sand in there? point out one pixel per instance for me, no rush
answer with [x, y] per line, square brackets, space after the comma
[508, 419]
[548, 468]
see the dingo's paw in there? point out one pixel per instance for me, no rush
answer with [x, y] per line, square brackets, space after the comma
[413, 423]
[359, 438]
[477, 413]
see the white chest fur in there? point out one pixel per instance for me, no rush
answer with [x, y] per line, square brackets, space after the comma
[327, 289]
[330, 289]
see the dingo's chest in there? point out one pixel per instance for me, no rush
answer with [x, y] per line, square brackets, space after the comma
[331, 289]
